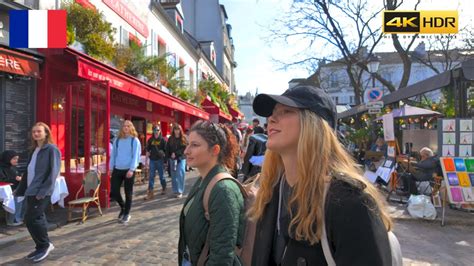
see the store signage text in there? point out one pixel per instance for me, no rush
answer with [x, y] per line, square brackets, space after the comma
[126, 14]
[99, 76]
[119, 98]
[16, 65]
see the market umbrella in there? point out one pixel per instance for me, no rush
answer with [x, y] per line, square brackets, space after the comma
[408, 110]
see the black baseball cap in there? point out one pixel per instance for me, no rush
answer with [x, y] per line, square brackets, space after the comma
[302, 97]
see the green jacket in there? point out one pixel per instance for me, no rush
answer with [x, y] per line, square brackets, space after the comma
[227, 214]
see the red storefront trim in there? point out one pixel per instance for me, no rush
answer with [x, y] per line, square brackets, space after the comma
[212, 108]
[92, 69]
[235, 113]
[18, 63]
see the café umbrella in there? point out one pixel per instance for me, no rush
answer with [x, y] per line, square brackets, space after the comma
[408, 110]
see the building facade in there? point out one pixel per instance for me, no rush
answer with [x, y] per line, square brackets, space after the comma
[19, 74]
[334, 79]
[206, 21]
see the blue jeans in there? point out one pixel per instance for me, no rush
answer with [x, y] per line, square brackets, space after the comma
[156, 165]
[177, 175]
[19, 213]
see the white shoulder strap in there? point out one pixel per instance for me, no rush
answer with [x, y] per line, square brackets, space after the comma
[324, 238]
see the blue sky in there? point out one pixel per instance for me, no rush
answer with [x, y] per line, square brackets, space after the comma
[250, 20]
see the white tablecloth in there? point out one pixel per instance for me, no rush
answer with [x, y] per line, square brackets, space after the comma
[6, 195]
[60, 191]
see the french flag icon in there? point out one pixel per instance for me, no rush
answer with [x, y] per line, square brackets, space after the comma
[38, 28]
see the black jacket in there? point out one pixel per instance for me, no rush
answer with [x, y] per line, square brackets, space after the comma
[156, 147]
[8, 172]
[426, 168]
[176, 146]
[357, 235]
[48, 163]
[257, 146]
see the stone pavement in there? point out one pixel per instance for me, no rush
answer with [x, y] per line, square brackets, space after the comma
[151, 237]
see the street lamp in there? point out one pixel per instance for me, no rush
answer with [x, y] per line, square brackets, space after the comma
[373, 66]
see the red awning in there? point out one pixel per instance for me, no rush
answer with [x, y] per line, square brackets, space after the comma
[18, 63]
[235, 113]
[91, 69]
[212, 108]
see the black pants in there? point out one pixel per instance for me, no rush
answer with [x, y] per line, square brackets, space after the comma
[409, 182]
[35, 220]
[119, 177]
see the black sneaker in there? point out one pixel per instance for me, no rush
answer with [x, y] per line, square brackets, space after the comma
[126, 218]
[120, 217]
[32, 254]
[43, 254]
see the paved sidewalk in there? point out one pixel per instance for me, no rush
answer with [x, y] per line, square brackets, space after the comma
[151, 236]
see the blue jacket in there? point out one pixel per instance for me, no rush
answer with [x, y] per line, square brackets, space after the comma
[48, 165]
[125, 154]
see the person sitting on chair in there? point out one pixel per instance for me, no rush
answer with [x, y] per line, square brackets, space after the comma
[424, 171]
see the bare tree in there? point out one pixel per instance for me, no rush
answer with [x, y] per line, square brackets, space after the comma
[323, 24]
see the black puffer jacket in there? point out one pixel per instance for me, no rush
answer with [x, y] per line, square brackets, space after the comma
[356, 233]
[8, 172]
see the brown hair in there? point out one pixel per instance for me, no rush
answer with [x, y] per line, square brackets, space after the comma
[319, 154]
[47, 130]
[133, 131]
[181, 138]
[218, 134]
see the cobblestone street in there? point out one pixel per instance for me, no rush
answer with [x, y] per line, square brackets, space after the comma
[152, 235]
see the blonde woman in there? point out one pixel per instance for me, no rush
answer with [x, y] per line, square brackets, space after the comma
[124, 161]
[37, 186]
[303, 159]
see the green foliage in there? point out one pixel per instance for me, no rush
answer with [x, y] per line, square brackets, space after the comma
[90, 28]
[216, 92]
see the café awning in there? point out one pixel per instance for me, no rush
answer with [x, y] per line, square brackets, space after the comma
[212, 108]
[91, 69]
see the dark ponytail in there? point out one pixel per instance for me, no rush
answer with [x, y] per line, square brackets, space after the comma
[218, 134]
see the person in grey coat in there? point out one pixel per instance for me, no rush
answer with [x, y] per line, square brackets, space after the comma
[37, 186]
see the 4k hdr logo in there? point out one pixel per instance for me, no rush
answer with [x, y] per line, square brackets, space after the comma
[424, 22]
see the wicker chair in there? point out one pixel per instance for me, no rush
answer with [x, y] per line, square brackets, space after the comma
[90, 187]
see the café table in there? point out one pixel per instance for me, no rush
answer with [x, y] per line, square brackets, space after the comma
[60, 191]
[6, 195]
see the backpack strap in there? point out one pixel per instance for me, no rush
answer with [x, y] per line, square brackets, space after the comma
[205, 203]
[212, 184]
[324, 237]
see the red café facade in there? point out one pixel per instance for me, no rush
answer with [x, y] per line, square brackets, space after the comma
[83, 99]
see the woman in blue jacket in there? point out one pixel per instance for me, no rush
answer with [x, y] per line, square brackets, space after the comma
[37, 187]
[124, 161]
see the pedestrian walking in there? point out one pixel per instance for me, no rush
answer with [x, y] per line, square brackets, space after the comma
[37, 186]
[303, 161]
[177, 161]
[155, 151]
[9, 173]
[124, 161]
[256, 147]
[212, 151]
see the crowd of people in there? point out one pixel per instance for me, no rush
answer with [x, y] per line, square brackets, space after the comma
[306, 187]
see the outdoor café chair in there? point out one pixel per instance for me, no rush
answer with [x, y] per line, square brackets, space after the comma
[90, 188]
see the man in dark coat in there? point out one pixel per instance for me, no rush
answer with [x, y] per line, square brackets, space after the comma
[257, 147]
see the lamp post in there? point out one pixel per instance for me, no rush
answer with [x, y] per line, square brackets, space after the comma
[373, 66]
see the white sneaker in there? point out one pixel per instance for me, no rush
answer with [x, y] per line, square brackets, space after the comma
[126, 218]
[43, 254]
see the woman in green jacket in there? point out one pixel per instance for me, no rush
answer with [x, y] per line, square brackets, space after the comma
[212, 149]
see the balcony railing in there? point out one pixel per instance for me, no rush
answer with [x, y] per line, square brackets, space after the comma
[169, 1]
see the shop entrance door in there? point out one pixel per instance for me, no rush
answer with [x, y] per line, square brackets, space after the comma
[87, 123]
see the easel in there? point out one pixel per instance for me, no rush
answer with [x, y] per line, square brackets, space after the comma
[394, 178]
